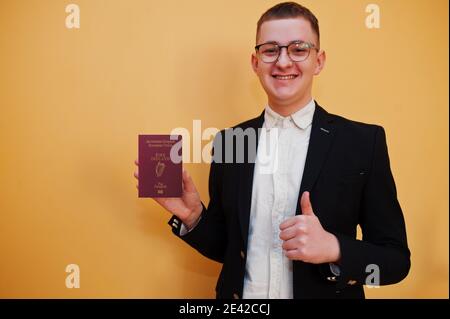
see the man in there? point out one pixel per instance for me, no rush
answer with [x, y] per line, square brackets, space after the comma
[290, 232]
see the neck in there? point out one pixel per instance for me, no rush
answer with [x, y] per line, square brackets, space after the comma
[286, 108]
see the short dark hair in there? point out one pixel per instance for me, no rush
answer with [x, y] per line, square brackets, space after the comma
[286, 10]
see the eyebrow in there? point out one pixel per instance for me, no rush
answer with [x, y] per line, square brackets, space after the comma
[293, 41]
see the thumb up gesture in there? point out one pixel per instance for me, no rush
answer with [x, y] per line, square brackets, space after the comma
[305, 239]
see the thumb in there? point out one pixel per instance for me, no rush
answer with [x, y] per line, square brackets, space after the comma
[188, 183]
[305, 204]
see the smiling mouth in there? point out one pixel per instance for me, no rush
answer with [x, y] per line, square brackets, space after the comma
[285, 77]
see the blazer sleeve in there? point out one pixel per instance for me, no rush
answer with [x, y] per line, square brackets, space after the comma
[209, 236]
[384, 243]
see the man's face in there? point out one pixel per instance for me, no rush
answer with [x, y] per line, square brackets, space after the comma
[295, 89]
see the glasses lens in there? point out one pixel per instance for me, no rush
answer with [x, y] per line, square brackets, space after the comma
[298, 51]
[269, 52]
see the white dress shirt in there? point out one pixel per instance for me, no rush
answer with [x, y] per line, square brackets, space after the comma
[278, 172]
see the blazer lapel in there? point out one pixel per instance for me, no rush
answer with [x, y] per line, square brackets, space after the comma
[322, 135]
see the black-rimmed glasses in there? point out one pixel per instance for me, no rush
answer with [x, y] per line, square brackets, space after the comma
[297, 51]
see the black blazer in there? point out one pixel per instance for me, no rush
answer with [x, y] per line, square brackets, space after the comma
[348, 175]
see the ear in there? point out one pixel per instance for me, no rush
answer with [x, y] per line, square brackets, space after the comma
[321, 58]
[254, 62]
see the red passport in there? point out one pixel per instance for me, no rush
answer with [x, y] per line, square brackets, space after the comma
[160, 166]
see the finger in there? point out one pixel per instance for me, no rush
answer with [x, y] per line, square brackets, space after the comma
[288, 233]
[291, 244]
[136, 162]
[305, 204]
[188, 183]
[136, 175]
[291, 254]
[160, 200]
[296, 230]
[164, 201]
[137, 186]
[288, 223]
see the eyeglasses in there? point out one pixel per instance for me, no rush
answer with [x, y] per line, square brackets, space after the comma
[297, 51]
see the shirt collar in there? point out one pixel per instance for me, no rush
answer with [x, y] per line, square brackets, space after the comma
[302, 118]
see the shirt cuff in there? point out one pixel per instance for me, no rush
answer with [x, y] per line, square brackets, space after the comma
[335, 270]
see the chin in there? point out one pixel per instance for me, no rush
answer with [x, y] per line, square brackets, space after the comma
[284, 95]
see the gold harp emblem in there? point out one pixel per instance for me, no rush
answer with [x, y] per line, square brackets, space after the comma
[160, 169]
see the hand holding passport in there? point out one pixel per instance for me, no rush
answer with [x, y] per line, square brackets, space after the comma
[161, 177]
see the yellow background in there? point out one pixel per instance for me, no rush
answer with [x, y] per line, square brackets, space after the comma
[73, 102]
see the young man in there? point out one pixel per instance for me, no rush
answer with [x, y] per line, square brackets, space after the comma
[291, 233]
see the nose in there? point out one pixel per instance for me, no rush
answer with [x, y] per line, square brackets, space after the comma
[284, 60]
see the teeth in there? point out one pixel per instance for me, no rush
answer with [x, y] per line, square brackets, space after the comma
[285, 77]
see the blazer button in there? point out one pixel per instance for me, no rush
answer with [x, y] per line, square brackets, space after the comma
[351, 282]
[242, 254]
[235, 296]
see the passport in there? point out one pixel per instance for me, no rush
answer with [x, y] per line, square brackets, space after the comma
[160, 166]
